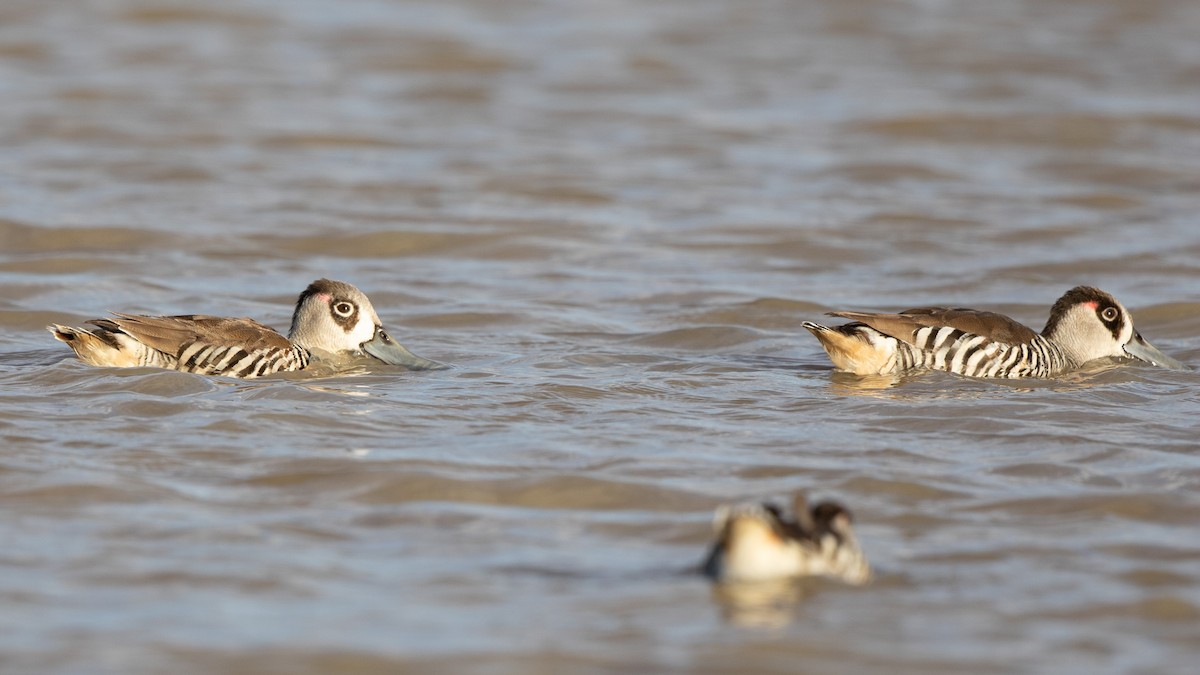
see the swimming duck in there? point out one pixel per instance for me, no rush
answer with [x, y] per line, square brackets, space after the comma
[1085, 324]
[756, 542]
[332, 319]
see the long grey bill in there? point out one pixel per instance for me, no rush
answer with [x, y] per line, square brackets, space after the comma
[384, 348]
[1138, 348]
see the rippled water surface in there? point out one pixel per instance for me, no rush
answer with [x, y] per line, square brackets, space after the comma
[611, 217]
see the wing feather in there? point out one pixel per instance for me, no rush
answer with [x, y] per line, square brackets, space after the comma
[172, 334]
[903, 326]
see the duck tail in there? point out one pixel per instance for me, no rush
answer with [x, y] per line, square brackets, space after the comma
[98, 347]
[854, 347]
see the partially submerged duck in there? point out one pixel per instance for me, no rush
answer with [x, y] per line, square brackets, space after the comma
[332, 320]
[1085, 324]
[757, 542]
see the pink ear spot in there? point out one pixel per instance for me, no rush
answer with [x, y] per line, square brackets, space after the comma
[1092, 304]
[325, 297]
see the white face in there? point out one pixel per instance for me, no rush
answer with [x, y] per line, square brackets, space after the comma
[356, 320]
[1094, 330]
[1090, 324]
[337, 318]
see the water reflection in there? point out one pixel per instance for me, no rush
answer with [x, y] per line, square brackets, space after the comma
[850, 384]
[761, 604]
[1098, 373]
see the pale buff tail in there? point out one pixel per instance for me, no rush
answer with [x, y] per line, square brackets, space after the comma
[97, 347]
[856, 348]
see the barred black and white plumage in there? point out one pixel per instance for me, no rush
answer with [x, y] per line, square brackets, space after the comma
[946, 348]
[235, 361]
[757, 542]
[1085, 324]
[332, 319]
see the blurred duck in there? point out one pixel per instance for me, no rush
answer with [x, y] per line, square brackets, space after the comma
[756, 542]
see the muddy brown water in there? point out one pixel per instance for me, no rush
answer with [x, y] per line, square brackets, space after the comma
[612, 218]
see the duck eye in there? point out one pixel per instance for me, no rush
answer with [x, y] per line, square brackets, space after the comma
[1109, 314]
[343, 308]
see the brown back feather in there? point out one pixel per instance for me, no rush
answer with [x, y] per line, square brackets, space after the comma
[903, 326]
[171, 334]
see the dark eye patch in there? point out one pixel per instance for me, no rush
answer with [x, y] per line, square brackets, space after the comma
[1110, 316]
[344, 313]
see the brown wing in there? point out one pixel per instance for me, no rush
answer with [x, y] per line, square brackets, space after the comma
[171, 334]
[995, 327]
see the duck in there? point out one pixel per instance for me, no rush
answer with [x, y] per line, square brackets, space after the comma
[757, 542]
[332, 321]
[1085, 324]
